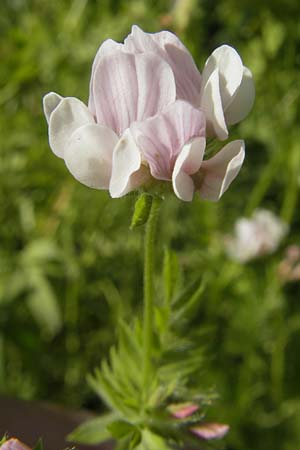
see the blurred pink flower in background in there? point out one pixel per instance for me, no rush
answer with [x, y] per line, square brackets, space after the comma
[14, 444]
[289, 267]
[148, 116]
[208, 431]
[183, 410]
[254, 237]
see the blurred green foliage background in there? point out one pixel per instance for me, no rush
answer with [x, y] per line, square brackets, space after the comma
[69, 266]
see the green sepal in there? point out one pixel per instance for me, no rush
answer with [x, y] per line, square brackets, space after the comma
[141, 212]
[93, 431]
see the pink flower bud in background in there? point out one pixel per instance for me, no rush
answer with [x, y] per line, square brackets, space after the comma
[208, 431]
[14, 444]
[183, 410]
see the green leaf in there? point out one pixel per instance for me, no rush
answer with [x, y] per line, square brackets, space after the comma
[135, 439]
[39, 445]
[93, 431]
[120, 428]
[190, 304]
[43, 303]
[154, 441]
[141, 212]
[170, 274]
[3, 439]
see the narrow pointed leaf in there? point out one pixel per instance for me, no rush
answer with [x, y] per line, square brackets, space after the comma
[93, 431]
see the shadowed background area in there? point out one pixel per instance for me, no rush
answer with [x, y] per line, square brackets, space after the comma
[70, 266]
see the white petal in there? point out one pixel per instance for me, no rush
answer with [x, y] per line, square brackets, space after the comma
[88, 155]
[218, 172]
[170, 48]
[106, 48]
[187, 163]
[50, 102]
[230, 66]
[243, 100]
[211, 103]
[125, 165]
[69, 115]
[129, 87]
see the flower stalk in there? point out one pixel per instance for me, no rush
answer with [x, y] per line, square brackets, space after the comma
[148, 324]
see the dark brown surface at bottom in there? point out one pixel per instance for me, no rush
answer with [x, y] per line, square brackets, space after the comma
[29, 421]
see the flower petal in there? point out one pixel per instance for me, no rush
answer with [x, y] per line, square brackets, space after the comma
[69, 114]
[106, 48]
[88, 155]
[171, 49]
[125, 167]
[183, 410]
[162, 137]
[209, 431]
[50, 102]
[230, 66]
[218, 172]
[188, 162]
[14, 444]
[211, 103]
[243, 100]
[131, 87]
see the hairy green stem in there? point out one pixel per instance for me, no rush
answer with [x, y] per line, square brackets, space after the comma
[150, 234]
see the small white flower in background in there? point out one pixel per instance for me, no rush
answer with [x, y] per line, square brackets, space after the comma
[148, 117]
[257, 236]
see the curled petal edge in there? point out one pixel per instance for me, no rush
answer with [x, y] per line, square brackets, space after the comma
[243, 100]
[187, 163]
[68, 115]
[126, 163]
[211, 103]
[216, 174]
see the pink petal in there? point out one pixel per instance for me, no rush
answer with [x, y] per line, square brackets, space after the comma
[211, 103]
[230, 67]
[209, 431]
[14, 444]
[171, 49]
[162, 137]
[243, 100]
[188, 162]
[127, 172]
[129, 87]
[217, 173]
[88, 155]
[68, 115]
[106, 48]
[184, 410]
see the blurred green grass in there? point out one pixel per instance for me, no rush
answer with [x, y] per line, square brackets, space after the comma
[68, 262]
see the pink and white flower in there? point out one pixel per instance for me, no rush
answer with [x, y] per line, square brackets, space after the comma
[225, 91]
[148, 116]
[14, 444]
